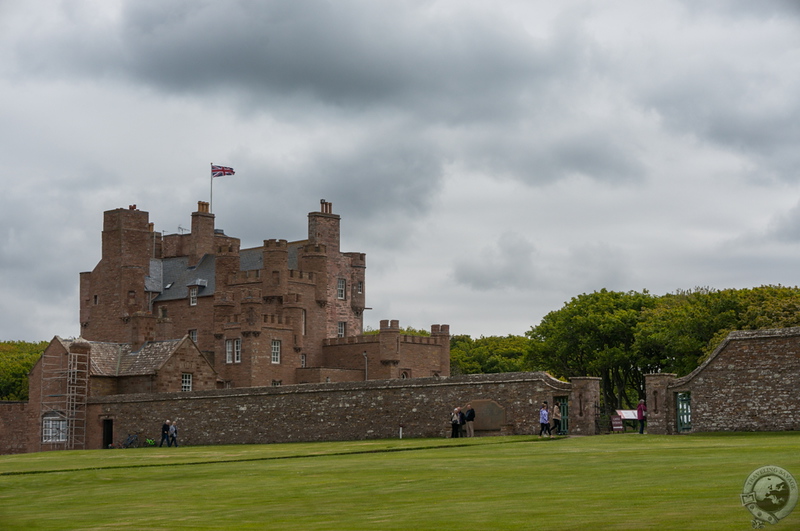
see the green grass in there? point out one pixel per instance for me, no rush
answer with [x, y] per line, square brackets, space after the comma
[621, 481]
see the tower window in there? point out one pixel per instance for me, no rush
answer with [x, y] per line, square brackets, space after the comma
[341, 288]
[276, 351]
[233, 351]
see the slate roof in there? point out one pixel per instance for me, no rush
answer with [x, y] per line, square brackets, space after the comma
[117, 359]
[177, 276]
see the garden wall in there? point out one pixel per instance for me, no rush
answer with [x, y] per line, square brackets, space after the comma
[13, 427]
[505, 403]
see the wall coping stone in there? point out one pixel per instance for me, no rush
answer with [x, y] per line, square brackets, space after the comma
[313, 388]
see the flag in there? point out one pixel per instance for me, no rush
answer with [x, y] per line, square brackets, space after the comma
[221, 171]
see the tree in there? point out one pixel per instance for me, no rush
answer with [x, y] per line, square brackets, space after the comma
[593, 335]
[487, 354]
[17, 358]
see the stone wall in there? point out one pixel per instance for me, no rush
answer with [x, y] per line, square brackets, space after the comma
[341, 411]
[13, 428]
[749, 383]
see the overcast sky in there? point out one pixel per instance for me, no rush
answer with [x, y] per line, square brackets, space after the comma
[492, 159]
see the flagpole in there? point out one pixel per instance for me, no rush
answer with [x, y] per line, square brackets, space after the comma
[211, 201]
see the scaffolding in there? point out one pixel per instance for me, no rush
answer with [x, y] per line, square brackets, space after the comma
[64, 390]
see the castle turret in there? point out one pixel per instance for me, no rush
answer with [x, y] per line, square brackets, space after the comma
[275, 256]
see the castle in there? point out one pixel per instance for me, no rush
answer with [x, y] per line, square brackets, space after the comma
[282, 313]
[196, 312]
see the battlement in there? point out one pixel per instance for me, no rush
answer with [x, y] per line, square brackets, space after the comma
[315, 248]
[275, 244]
[244, 277]
[352, 340]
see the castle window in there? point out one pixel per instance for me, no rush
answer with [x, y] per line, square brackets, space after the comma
[302, 360]
[341, 328]
[54, 428]
[276, 383]
[186, 382]
[193, 296]
[193, 335]
[233, 351]
[276, 351]
[303, 321]
[162, 312]
[96, 300]
[360, 287]
[341, 288]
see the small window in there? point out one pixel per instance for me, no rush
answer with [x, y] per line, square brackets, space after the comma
[341, 288]
[54, 428]
[302, 360]
[162, 312]
[193, 296]
[360, 287]
[186, 382]
[96, 300]
[341, 328]
[276, 351]
[276, 383]
[193, 335]
[233, 351]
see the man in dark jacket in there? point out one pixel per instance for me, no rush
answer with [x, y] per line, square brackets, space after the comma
[469, 417]
[164, 433]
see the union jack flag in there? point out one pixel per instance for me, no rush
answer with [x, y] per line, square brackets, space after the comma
[221, 171]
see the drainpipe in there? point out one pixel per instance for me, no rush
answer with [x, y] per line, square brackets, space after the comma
[366, 366]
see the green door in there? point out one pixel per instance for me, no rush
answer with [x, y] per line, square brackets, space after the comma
[563, 404]
[684, 403]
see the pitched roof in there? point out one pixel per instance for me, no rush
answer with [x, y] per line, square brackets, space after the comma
[118, 359]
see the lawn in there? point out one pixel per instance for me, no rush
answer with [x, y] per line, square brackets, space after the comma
[620, 481]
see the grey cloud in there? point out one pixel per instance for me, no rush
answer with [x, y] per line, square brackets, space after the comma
[507, 264]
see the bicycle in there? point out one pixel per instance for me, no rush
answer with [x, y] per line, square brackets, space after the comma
[132, 441]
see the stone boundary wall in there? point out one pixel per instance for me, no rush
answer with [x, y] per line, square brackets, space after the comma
[339, 411]
[749, 383]
[13, 427]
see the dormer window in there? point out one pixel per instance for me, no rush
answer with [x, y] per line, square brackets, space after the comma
[193, 296]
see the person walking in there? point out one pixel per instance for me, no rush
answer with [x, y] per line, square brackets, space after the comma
[164, 433]
[544, 420]
[456, 419]
[173, 434]
[556, 418]
[641, 414]
[469, 418]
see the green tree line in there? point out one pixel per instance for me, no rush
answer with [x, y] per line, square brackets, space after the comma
[621, 336]
[17, 358]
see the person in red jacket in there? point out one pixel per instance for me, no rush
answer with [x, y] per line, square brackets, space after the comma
[641, 414]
